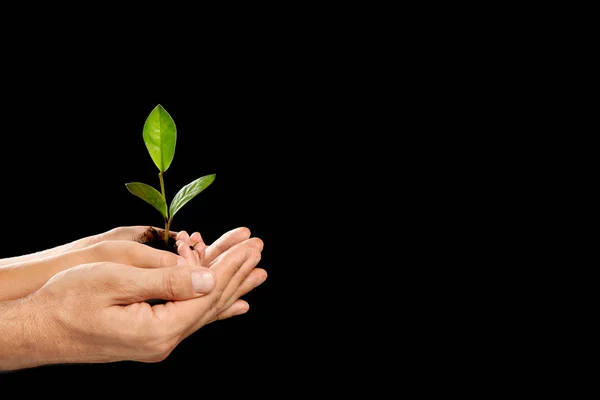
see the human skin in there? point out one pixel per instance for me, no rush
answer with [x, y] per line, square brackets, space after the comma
[96, 313]
[20, 276]
[121, 233]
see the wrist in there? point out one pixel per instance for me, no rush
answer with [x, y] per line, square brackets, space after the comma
[25, 336]
[21, 279]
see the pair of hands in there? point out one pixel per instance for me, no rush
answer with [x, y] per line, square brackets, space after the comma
[84, 302]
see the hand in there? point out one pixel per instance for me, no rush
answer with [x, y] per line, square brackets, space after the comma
[96, 312]
[19, 276]
[195, 251]
[133, 233]
[20, 279]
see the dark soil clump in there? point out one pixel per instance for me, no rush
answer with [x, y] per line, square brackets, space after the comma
[155, 238]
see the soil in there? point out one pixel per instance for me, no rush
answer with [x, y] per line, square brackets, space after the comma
[155, 238]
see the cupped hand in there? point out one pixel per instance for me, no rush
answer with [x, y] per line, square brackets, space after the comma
[96, 312]
[119, 245]
[132, 233]
[20, 279]
[196, 252]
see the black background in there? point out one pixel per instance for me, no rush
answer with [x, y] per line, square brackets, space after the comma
[68, 151]
[297, 128]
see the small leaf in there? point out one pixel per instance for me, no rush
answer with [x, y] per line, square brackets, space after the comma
[189, 191]
[160, 136]
[150, 195]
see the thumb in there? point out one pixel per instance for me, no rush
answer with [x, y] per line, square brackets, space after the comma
[172, 283]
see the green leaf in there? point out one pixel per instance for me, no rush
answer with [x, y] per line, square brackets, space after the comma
[189, 191]
[160, 136]
[150, 195]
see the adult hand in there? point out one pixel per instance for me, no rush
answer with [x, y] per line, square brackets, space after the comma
[96, 312]
[131, 233]
[120, 245]
[196, 252]
[20, 279]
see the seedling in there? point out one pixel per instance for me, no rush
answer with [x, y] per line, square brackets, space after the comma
[160, 136]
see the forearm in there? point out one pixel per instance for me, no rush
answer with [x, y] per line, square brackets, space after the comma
[22, 343]
[20, 279]
[75, 245]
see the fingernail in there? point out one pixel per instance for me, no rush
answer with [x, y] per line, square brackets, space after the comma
[202, 281]
[181, 261]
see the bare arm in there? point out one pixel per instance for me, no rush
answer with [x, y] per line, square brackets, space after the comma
[21, 275]
[95, 313]
[132, 233]
[20, 346]
[19, 279]
[77, 244]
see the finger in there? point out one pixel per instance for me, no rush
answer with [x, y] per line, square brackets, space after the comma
[254, 279]
[255, 242]
[238, 308]
[229, 263]
[172, 283]
[225, 242]
[195, 238]
[221, 297]
[200, 249]
[192, 314]
[196, 256]
[183, 235]
[186, 243]
[184, 251]
[202, 255]
[238, 279]
[132, 253]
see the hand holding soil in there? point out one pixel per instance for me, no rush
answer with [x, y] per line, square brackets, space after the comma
[123, 245]
[94, 300]
[90, 304]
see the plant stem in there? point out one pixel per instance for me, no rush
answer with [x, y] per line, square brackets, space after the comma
[167, 225]
[167, 221]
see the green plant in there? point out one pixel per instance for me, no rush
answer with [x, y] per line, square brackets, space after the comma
[160, 136]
